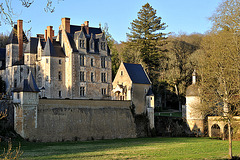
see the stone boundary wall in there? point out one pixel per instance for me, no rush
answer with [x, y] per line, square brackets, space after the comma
[63, 120]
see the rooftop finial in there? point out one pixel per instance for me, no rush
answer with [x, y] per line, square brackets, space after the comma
[194, 75]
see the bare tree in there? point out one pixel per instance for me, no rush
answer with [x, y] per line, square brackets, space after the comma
[220, 82]
[8, 13]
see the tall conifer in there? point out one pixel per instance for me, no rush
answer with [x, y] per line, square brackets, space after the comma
[146, 36]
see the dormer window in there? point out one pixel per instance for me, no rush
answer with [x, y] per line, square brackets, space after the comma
[81, 43]
[103, 46]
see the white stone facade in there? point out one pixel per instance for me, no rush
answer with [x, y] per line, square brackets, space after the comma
[75, 64]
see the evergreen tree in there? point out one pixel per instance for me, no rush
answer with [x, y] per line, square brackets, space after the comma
[146, 38]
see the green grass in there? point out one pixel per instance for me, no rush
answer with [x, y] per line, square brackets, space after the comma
[141, 148]
[168, 114]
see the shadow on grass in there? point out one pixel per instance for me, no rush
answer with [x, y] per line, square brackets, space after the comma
[58, 150]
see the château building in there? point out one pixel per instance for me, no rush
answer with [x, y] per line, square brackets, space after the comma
[74, 64]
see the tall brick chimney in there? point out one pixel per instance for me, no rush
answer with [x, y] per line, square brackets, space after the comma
[20, 38]
[66, 24]
[49, 33]
[86, 23]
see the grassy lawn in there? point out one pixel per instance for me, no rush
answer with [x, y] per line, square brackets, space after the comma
[141, 148]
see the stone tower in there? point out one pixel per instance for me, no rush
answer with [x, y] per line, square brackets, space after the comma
[194, 117]
[26, 98]
[150, 107]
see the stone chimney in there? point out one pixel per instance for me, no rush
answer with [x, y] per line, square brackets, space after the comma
[41, 36]
[86, 24]
[20, 39]
[66, 24]
[194, 77]
[49, 33]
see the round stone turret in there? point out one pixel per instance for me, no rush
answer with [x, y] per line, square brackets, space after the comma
[194, 117]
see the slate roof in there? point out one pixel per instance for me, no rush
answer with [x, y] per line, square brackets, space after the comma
[13, 36]
[3, 57]
[21, 62]
[32, 45]
[150, 92]
[137, 73]
[27, 85]
[53, 49]
[72, 43]
[93, 30]
[2, 53]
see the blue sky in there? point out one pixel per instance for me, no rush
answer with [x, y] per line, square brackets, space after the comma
[181, 16]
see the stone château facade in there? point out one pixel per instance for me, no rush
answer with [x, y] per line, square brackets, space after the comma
[74, 64]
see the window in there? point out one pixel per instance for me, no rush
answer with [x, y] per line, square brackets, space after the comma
[18, 95]
[81, 76]
[104, 91]
[121, 73]
[27, 57]
[39, 68]
[103, 77]
[46, 60]
[81, 60]
[82, 91]
[81, 44]
[103, 62]
[46, 78]
[92, 45]
[59, 75]
[92, 77]
[60, 94]
[15, 83]
[103, 46]
[60, 61]
[92, 62]
[28, 71]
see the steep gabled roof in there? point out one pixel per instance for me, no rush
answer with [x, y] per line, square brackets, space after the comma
[13, 36]
[72, 43]
[27, 85]
[32, 45]
[137, 73]
[53, 49]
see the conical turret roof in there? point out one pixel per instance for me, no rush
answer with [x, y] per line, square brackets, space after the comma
[27, 85]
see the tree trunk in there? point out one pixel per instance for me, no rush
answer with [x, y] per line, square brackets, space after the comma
[179, 100]
[230, 139]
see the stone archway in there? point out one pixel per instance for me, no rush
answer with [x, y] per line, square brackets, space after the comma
[215, 130]
[225, 132]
